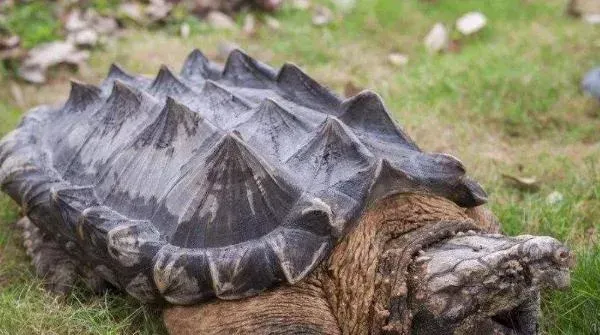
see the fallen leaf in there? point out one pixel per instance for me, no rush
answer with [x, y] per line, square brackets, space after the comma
[44, 56]
[397, 59]
[530, 184]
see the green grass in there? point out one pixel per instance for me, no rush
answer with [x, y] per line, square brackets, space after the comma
[35, 22]
[508, 103]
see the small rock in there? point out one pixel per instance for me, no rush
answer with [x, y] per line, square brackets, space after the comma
[104, 25]
[437, 39]
[85, 38]
[301, 4]
[397, 59]
[272, 23]
[554, 198]
[132, 11]
[12, 53]
[322, 16]
[9, 42]
[225, 48]
[530, 184]
[220, 21]
[591, 83]
[184, 30]
[158, 10]
[471, 23]
[75, 21]
[249, 27]
[591, 18]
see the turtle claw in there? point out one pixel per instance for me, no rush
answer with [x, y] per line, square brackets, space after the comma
[486, 282]
[59, 270]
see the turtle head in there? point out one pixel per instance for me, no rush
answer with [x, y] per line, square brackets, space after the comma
[423, 265]
[477, 283]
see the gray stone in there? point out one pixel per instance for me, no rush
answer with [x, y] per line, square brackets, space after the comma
[437, 39]
[471, 23]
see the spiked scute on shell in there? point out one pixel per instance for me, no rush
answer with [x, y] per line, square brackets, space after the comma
[213, 182]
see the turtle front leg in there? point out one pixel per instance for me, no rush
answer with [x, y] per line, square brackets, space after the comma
[298, 309]
[485, 283]
[51, 262]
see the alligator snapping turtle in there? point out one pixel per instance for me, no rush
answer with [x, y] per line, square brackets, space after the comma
[224, 183]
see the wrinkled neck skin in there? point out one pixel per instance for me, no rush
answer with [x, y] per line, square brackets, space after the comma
[360, 289]
[364, 280]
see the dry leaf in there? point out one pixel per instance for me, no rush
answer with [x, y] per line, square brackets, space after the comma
[397, 59]
[46, 55]
[530, 184]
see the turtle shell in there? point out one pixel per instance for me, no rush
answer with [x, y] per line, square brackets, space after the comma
[215, 182]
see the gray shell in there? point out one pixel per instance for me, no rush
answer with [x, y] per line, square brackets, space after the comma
[216, 182]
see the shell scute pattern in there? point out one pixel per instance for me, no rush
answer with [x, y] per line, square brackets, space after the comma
[213, 182]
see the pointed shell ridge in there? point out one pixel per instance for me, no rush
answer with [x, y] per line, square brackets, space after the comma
[311, 224]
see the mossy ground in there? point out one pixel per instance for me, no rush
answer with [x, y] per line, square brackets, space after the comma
[508, 103]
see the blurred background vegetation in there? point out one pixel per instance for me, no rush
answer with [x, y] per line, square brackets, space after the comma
[506, 100]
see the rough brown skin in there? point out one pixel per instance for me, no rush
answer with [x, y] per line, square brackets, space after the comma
[400, 271]
[345, 287]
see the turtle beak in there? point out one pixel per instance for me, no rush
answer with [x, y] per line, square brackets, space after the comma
[485, 283]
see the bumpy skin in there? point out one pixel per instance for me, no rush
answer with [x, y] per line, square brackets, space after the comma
[218, 182]
[413, 265]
